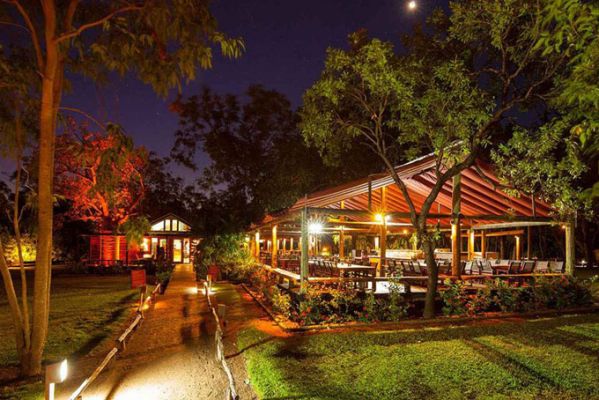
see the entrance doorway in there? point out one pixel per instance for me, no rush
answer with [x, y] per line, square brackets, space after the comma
[177, 250]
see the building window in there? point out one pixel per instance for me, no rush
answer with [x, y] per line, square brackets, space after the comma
[158, 226]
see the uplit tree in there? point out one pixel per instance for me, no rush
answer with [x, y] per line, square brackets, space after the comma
[100, 174]
[162, 42]
[452, 92]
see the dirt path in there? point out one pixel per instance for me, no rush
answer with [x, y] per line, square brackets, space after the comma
[171, 356]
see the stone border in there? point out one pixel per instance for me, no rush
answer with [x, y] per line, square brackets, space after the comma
[290, 326]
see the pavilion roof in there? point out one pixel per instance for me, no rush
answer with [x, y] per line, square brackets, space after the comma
[483, 200]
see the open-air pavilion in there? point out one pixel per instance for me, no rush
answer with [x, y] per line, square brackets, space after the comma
[486, 231]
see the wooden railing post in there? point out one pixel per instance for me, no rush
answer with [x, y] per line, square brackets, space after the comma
[304, 270]
[456, 228]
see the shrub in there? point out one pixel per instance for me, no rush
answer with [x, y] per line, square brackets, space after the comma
[230, 253]
[454, 298]
[545, 293]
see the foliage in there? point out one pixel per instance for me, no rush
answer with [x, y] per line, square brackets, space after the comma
[135, 229]
[100, 174]
[451, 92]
[327, 304]
[161, 41]
[227, 251]
[281, 302]
[27, 247]
[549, 358]
[259, 161]
[545, 293]
[454, 298]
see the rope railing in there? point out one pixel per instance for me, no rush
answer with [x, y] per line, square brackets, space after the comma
[231, 393]
[120, 342]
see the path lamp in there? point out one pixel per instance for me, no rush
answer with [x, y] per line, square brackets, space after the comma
[55, 373]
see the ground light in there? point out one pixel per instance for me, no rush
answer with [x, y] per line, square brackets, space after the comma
[55, 373]
[412, 5]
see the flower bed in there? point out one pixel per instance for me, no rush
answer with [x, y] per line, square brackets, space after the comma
[322, 304]
[499, 295]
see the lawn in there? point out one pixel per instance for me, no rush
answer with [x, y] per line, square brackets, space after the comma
[551, 358]
[85, 310]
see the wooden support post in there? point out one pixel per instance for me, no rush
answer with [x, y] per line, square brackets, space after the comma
[291, 244]
[528, 243]
[284, 245]
[342, 235]
[517, 247]
[257, 239]
[570, 248]
[275, 247]
[501, 247]
[383, 240]
[456, 237]
[304, 271]
[383, 250]
[471, 244]
[483, 244]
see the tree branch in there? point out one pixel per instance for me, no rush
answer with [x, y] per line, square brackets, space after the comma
[98, 22]
[32, 31]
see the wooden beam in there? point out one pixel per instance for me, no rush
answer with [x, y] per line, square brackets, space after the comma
[304, 271]
[517, 248]
[489, 234]
[570, 248]
[456, 252]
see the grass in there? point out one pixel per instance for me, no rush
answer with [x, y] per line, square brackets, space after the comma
[85, 310]
[551, 358]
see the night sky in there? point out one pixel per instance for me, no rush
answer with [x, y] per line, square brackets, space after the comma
[285, 49]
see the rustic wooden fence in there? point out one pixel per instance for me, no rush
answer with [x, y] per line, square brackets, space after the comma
[231, 392]
[120, 345]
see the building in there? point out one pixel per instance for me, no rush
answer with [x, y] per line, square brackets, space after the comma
[169, 237]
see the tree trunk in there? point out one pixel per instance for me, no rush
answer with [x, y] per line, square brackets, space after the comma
[50, 99]
[15, 310]
[433, 275]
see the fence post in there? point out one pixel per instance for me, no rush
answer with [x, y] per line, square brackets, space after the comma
[142, 297]
[222, 310]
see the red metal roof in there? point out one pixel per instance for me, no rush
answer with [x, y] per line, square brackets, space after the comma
[480, 195]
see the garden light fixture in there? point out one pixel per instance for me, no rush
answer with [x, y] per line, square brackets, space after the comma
[55, 373]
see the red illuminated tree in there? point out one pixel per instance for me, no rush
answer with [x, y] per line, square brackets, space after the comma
[101, 174]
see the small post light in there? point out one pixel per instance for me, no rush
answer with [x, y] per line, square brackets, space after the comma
[412, 5]
[55, 373]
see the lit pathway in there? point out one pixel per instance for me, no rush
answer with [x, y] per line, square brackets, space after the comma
[171, 356]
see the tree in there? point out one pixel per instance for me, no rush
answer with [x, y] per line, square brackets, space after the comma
[259, 162]
[17, 124]
[100, 174]
[161, 41]
[559, 161]
[454, 98]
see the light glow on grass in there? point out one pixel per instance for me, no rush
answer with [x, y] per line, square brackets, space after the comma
[550, 358]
